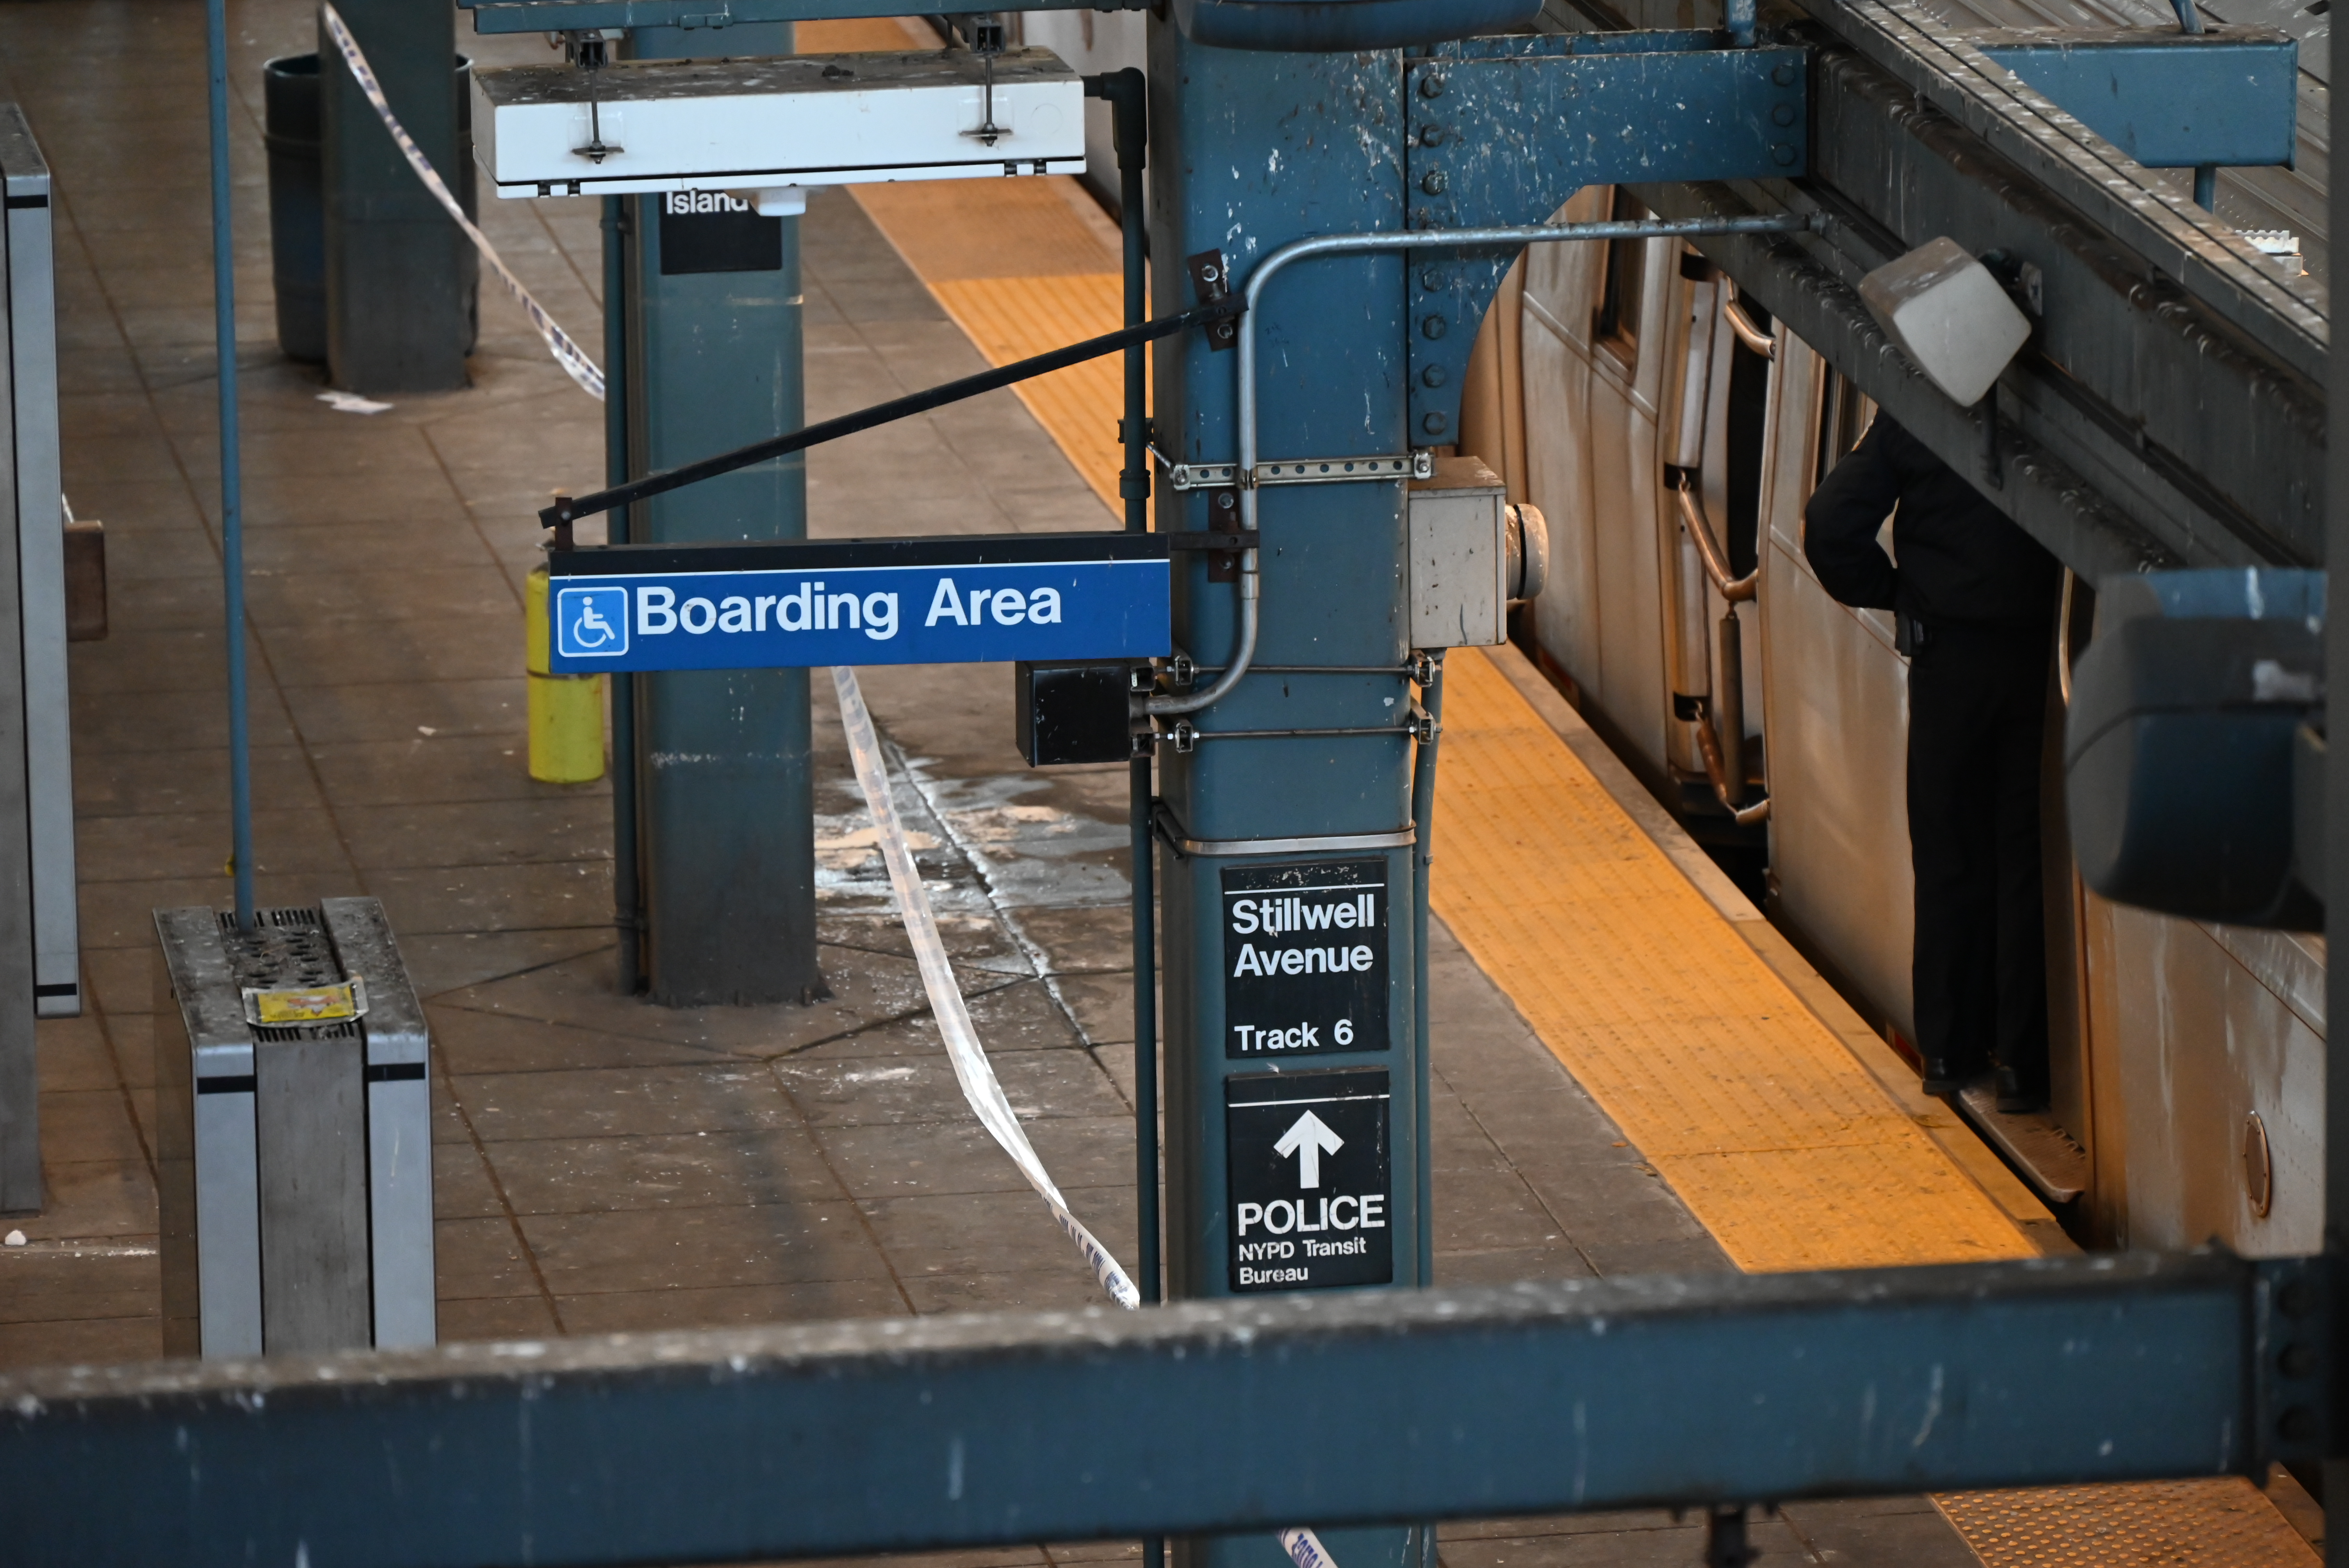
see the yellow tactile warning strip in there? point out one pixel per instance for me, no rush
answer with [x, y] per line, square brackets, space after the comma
[1773, 1134]
[1023, 266]
[1770, 1132]
[2177, 1525]
[1775, 1137]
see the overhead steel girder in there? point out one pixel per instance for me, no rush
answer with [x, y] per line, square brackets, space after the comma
[2160, 417]
[897, 1433]
[1502, 131]
[2170, 99]
[2284, 316]
[2046, 497]
[2214, 445]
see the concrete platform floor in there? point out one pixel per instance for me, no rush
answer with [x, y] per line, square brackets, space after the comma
[604, 1164]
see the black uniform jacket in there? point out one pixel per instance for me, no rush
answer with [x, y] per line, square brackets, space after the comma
[1960, 559]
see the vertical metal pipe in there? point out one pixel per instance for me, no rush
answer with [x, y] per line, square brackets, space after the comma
[626, 914]
[1129, 123]
[1422, 855]
[1729, 705]
[2336, 923]
[240, 759]
[2206, 187]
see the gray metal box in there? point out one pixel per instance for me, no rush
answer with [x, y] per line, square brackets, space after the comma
[294, 1109]
[1459, 557]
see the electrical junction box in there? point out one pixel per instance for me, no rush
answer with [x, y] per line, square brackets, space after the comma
[1459, 556]
[770, 125]
[294, 1133]
[1073, 713]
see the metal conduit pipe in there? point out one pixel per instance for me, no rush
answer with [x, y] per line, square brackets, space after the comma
[1244, 653]
[1736, 590]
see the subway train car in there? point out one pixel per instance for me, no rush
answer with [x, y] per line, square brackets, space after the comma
[1671, 433]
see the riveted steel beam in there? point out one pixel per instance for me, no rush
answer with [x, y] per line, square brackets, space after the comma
[1502, 131]
[1208, 1415]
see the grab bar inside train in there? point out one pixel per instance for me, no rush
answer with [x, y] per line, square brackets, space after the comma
[1733, 310]
[1736, 590]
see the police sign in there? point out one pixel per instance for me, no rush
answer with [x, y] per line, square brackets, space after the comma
[1311, 1207]
[1043, 598]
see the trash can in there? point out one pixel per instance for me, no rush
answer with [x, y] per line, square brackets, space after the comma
[297, 218]
[297, 215]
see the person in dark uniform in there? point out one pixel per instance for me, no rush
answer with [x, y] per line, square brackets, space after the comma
[1975, 600]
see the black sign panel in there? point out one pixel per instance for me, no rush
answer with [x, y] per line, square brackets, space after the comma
[1310, 1203]
[1305, 958]
[711, 232]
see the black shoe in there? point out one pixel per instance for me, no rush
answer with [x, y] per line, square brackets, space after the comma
[2018, 1095]
[1944, 1074]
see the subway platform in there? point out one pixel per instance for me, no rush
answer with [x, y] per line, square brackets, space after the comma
[1634, 1073]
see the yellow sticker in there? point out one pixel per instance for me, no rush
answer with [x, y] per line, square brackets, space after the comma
[309, 1004]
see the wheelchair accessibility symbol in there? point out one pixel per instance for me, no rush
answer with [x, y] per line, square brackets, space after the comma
[591, 623]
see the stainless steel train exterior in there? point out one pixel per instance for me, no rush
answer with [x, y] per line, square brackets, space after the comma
[2189, 1057]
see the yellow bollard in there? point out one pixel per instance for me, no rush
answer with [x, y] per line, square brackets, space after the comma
[566, 712]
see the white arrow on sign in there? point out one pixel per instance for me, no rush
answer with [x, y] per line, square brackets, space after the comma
[1309, 1137]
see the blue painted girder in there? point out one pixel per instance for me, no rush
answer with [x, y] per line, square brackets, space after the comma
[826, 1439]
[2169, 100]
[1499, 138]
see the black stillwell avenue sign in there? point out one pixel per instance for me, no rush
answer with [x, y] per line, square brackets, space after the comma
[1305, 958]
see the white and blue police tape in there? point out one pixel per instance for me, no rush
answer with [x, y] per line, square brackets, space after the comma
[1304, 1549]
[567, 353]
[971, 1068]
[972, 1071]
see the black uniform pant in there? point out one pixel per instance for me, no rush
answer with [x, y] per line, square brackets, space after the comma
[1977, 705]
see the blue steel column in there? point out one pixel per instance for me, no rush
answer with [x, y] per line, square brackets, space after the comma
[722, 757]
[1250, 150]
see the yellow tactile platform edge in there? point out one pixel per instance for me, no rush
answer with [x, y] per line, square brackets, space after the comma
[1773, 1134]
[2176, 1525]
[1778, 1142]
[1775, 1138]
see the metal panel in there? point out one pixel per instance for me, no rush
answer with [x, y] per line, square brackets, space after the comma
[399, 1124]
[40, 524]
[2168, 99]
[227, 1233]
[310, 1116]
[898, 1434]
[2198, 1043]
[1837, 714]
[208, 1176]
[20, 1124]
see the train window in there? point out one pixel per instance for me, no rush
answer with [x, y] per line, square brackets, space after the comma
[1615, 323]
[1749, 403]
[1844, 416]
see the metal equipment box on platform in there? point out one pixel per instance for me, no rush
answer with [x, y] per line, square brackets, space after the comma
[295, 1131]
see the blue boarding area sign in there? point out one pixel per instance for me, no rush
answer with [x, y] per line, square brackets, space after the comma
[1045, 598]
